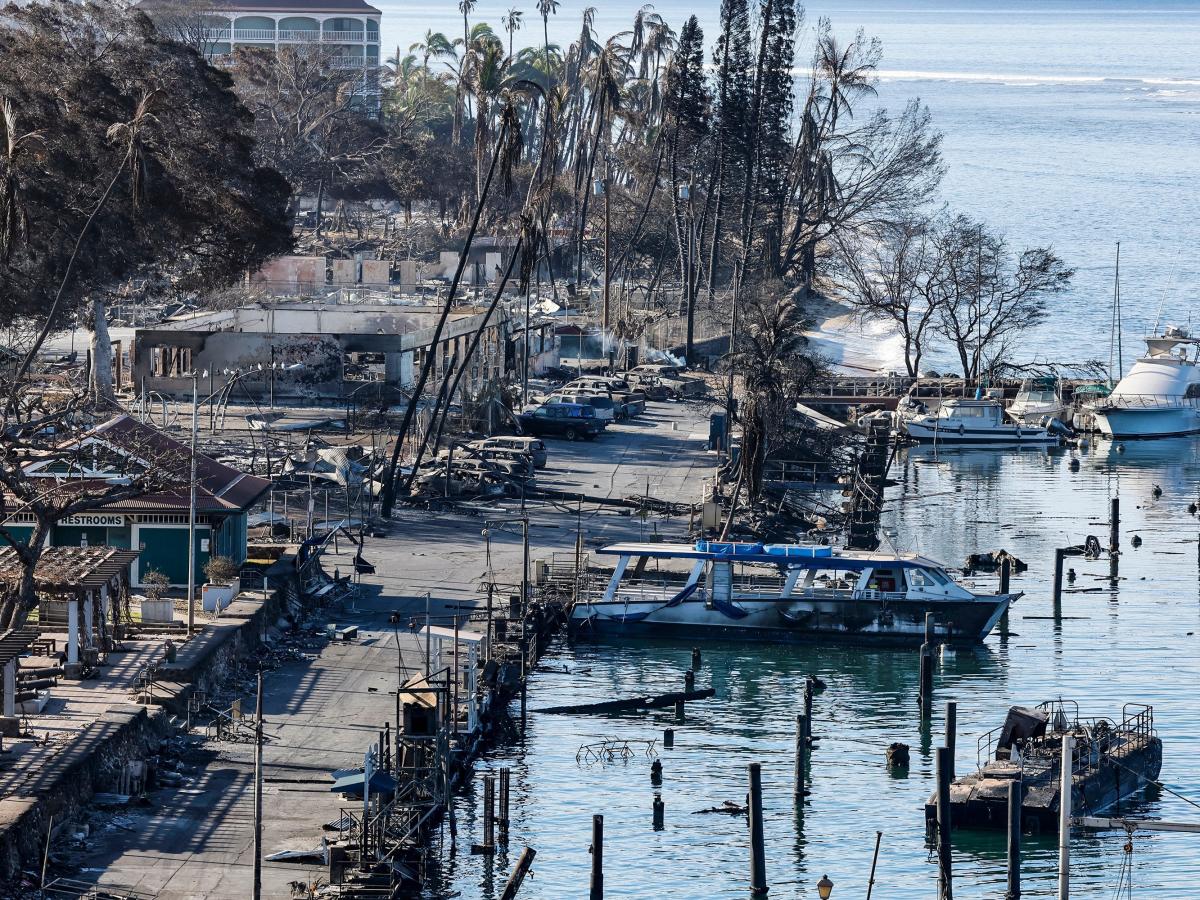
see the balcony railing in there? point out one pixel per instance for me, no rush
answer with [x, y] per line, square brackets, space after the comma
[354, 37]
[300, 35]
[214, 34]
[254, 34]
[349, 62]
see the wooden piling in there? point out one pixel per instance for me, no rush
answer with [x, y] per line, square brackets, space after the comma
[925, 686]
[808, 703]
[1015, 790]
[489, 813]
[695, 659]
[669, 738]
[1114, 525]
[505, 776]
[518, 874]
[659, 812]
[1059, 556]
[597, 850]
[945, 888]
[1005, 574]
[930, 629]
[689, 681]
[951, 728]
[801, 762]
[758, 853]
[678, 710]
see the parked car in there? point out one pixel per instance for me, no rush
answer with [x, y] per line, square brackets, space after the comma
[568, 420]
[672, 378]
[629, 402]
[529, 446]
[606, 410]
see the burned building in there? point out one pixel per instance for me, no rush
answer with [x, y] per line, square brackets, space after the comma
[315, 352]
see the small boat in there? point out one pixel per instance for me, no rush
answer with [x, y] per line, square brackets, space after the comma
[1112, 762]
[1037, 400]
[779, 592]
[980, 421]
[1160, 396]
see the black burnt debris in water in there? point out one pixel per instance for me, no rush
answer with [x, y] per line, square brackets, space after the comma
[1112, 761]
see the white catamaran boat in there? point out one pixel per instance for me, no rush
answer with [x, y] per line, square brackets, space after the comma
[961, 421]
[1161, 394]
[779, 592]
[1037, 400]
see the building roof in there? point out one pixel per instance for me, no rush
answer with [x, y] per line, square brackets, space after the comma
[296, 6]
[69, 568]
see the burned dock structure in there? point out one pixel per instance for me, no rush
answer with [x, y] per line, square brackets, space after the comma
[1110, 763]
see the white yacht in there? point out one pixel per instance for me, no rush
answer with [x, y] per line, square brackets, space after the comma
[1161, 394]
[978, 422]
[1037, 399]
[779, 593]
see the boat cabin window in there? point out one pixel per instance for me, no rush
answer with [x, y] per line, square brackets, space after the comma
[885, 580]
[1192, 392]
[920, 579]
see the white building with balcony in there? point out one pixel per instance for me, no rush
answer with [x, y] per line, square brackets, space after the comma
[347, 31]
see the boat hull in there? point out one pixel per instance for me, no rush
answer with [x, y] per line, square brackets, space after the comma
[1147, 423]
[1007, 436]
[791, 621]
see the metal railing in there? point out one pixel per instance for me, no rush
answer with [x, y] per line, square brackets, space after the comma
[1144, 401]
[352, 36]
[254, 34]
[215, 34]
[299, 34]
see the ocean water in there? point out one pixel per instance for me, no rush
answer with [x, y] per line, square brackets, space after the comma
[1103, 648]
[1072, 124]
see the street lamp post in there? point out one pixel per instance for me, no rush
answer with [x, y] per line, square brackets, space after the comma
[191, 586]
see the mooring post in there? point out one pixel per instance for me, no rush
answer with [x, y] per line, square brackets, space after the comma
[689, 681]
[951, 728]
[678, 710]
[1059, 556]
[489, 813]
[801, 762]
[695, 659]
[505, 775]
[658, 811]
[758, 853]
[1005, 574]
[874, 862]
[1066, 787]
[669, 738]
[518, 874]
[945, 888]
[925, 687]
[930, 629]
[597, 850]
[808, 702]
[1014, 839]
[1114, 539]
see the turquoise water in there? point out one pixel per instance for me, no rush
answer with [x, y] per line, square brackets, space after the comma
[1074, 124]
[1136, 643]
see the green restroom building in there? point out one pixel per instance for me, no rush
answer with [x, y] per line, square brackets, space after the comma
[154, 523]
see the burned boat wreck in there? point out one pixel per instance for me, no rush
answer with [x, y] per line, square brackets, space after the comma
[1111, 762]
[779, 592]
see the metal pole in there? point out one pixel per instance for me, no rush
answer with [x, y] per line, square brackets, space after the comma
[1059, 555]
[801, 775]
[428, 640]
[191, 587]
[604, 316]
[518, 874]
[597, 885]
[874, 861]
[945, 881]
[758, 856]
[258, 791]
[1066, 786]
[1014, 839]
[951, 728]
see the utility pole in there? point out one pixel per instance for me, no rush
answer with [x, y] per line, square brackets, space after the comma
[1065, 790]
[191, 587]
[607, 273]
[258, 786]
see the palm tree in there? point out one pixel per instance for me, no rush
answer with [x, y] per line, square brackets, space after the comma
[512, 22]
[547, 8]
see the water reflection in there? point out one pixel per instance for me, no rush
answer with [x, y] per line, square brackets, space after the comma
[1143, 648]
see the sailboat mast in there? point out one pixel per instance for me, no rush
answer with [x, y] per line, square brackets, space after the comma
[1117, 313]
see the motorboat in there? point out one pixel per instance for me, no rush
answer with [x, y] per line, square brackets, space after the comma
[980, 421]
[1160, 396]
[779, 592]
[1037, 401]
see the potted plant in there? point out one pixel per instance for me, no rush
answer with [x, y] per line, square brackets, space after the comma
[223, 583]
[154, 607]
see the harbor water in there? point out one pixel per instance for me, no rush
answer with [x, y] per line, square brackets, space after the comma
[1103, 647]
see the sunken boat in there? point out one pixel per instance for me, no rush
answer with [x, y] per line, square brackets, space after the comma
[779, 592]
[1112, 761]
